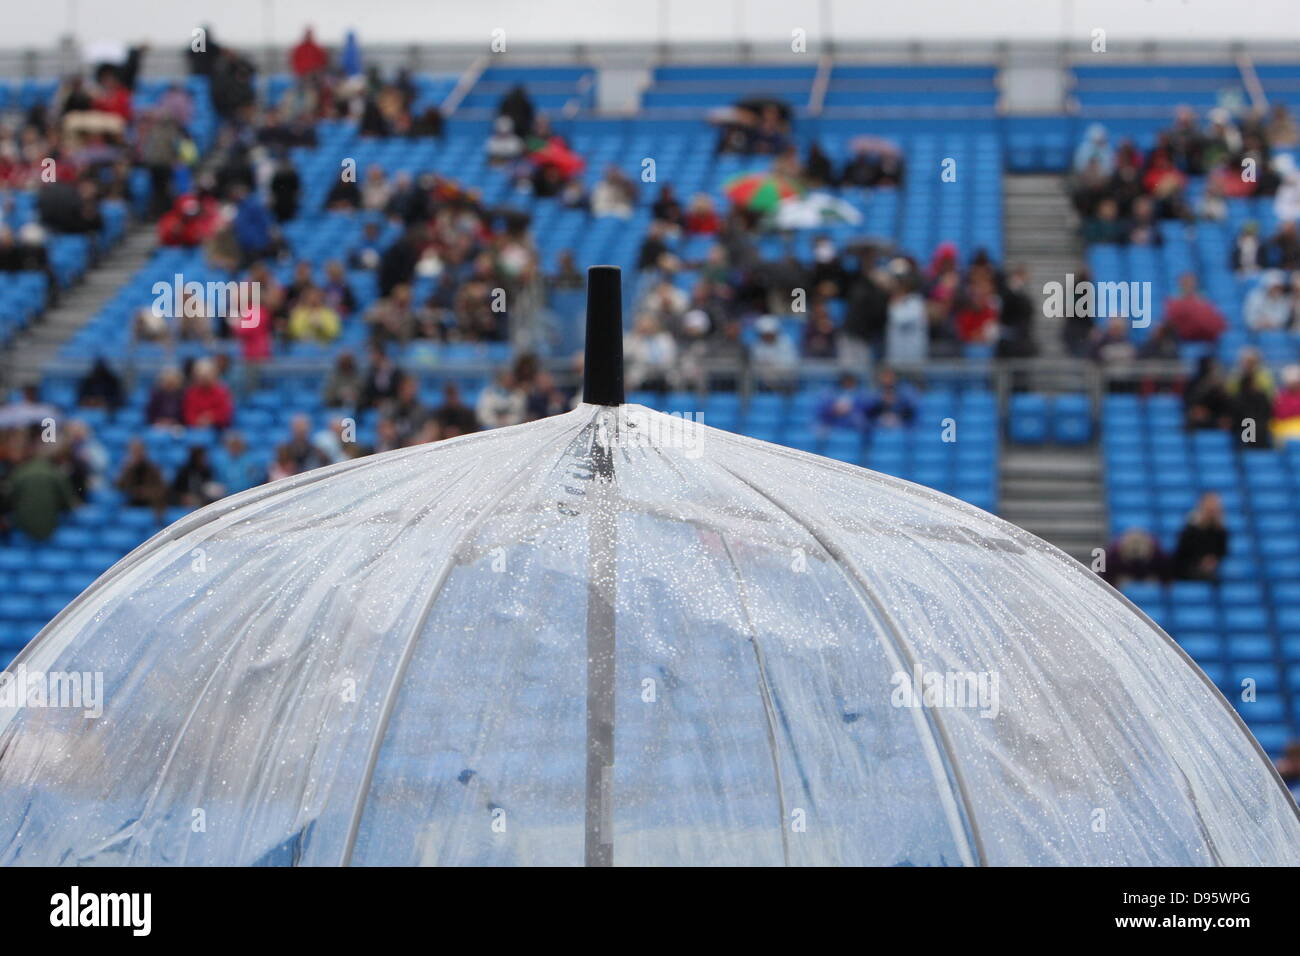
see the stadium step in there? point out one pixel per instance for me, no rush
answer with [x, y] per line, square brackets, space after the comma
[1055, 492]
[1042, 233]
[37, 346]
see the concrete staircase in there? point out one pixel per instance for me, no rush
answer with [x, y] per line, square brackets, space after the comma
[22, 363]
[1055, 492]
[1042, 232]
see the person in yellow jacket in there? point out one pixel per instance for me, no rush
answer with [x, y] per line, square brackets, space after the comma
[312, 320]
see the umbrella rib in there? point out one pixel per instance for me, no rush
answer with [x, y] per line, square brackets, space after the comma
[765, 690]
[850, 570]
[408, 651]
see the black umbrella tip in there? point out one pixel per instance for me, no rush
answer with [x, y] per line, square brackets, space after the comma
[602, 369]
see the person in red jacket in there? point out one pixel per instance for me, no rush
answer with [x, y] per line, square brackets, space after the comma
[113, 96]
[308, 56]
[253, 329]
[978, 309]
[207, 401]
[189, 222]
[701, 218]
[1192, 316]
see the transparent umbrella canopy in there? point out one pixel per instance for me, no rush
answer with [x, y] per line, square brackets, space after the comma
[619, 637]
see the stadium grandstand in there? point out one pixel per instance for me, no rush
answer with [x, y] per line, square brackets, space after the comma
[239, 265]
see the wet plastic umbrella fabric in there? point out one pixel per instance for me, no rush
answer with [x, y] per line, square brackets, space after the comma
[384, 662]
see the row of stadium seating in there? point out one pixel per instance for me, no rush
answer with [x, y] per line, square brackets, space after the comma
[1248, 625]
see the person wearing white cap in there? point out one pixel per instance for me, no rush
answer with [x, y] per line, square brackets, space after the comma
[1268, 306]
[774, 355]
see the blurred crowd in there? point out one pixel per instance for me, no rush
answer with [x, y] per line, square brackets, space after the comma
[1122, 194]
[1202, 545]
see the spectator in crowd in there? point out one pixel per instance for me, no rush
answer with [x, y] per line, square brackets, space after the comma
[286, 189]
[504, 146]
[1283, 249]
[190, 222]
[893, 404]
[1247, 251]
[167, 399]
[1286, 406]
[71, 207]
[236, 468]
[650, 354]
[1250, 388]
[22, 254]
[1161, 345]
[501, 403]
[702, 217]
[518, 108]
[1143, 229]
[1250, 370]
[345, 195]
[1282, 130]
[818, 170]
[367, 254]
[207, 401]
[284, 465]
[141, 481]
[100, 388]
[453, 416]
[343, 387]
[667, 208]
[195, 484]
[843, 406]
[978, 309]
[1112, 345]
[773, 356]
[1213, 204]
[312, 320]
[1206, 403]
[1203, 542]
[1286, 202]
[1135, 556]
[83, 458]
[545, 398]
[695, 351]
[1253, 410]
[821, 337]
[382, 380]
[38, 493]
[408, 412]
[874, 162]
[1016, 336]
[653, 246]
[866, 313]
[1106, 226]
[614, 195]
[334, 443]
[302, 446]
[1095, 150]
[907, 327]
[395, 317]
[253, 328]
[1192, 316]
[308, 58]
[1268, 306]
[252, 225]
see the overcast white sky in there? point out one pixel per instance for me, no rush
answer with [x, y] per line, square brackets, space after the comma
[168, 22]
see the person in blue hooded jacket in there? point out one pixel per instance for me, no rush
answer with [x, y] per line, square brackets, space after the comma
[252, 225]
[843, 406]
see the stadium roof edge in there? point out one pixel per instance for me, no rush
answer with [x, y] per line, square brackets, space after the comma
[456, 57]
